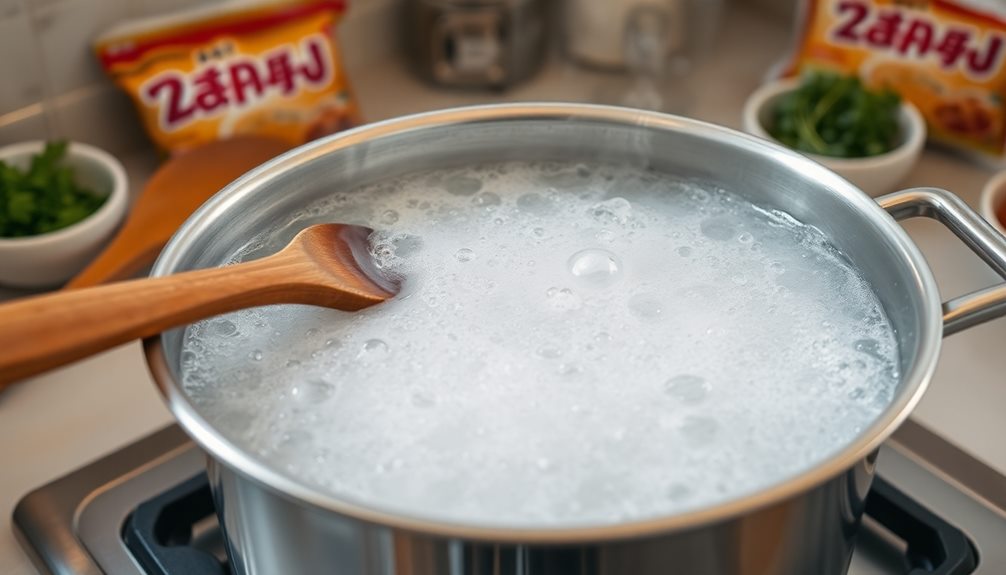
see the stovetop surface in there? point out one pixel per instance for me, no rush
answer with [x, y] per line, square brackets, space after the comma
[146, 510]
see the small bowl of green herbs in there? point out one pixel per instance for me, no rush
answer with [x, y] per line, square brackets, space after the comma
[870, 137]
[59, 205]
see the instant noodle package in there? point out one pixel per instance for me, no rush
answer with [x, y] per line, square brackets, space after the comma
[267, 68]
[945, 56]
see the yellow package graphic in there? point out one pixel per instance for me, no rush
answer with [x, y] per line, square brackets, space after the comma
[944, 56]
[268, 69]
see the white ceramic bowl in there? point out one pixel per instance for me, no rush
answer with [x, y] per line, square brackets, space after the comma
[52, 258]
[994, 200]
[875, 175]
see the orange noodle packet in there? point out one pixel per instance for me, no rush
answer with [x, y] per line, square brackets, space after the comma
[268, 68]
[944, 56]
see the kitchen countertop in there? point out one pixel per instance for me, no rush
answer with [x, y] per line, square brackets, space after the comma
[68, 417]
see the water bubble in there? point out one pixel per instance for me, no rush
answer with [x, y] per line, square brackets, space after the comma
[678, 492]
[548, 351]
[463, 186]
[225, 328]
[312, 392]
[486, 200]
[776, 268]
[699, 430]
[613, 211]
[256, 355]
[869, 346]
[388, 217]
[698, 194]
[595, 267]
[464, 255]
[533, 203]
[373, 348]
[718, 228]
[568, 369]
[646, 306]
[407, 245]
[745, 238]
[563, 299]
[688, 389]
[423, 399]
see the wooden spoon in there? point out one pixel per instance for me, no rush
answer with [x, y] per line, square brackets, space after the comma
[175, 190]
[326, 265]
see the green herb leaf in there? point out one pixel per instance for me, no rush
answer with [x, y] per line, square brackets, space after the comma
[834, 115]
[44, 198]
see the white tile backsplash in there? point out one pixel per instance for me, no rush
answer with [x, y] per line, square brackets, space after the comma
[368, 33]
[100, 115]
[10, 9]
[22, 78]
[65, 30]
[27, 124]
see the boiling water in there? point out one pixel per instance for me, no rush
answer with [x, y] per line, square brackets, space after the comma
[572, 345]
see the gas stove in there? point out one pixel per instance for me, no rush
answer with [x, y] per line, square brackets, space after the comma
[147, 510]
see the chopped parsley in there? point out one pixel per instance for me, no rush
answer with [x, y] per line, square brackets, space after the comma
[45, 198]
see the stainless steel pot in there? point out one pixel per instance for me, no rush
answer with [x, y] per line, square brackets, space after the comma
[276, 524]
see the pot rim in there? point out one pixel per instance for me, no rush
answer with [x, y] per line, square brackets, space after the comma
[915, 379]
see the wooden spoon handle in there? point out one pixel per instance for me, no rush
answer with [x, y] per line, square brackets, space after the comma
[44, 332]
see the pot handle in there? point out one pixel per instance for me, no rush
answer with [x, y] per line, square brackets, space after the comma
[974, 308]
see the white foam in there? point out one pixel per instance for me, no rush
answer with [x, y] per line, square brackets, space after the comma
[571, 346]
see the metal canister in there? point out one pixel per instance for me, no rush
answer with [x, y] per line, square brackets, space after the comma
[476, 43]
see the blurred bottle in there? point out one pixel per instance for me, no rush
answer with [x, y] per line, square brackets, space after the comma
[595, 29]
[653, 44]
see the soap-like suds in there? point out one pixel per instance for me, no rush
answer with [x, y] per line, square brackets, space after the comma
[573, 345]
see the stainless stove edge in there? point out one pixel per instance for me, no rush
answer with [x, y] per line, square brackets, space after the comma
[953, 464]
[45, 519]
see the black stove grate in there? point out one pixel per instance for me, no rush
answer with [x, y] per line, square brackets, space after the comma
[164, 537]
[160, 533]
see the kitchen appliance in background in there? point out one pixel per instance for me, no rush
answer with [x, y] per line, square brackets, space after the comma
[476, 43]
[147, 510]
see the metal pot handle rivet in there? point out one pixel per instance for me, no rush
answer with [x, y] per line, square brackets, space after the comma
[977, 307]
